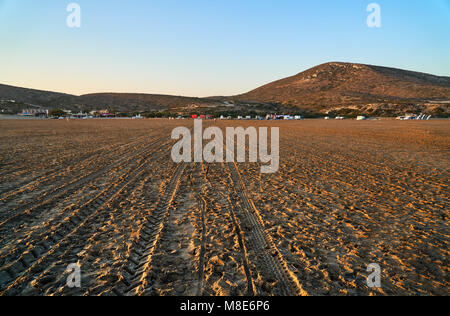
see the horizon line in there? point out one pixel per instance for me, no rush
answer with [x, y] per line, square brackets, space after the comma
[214, 96]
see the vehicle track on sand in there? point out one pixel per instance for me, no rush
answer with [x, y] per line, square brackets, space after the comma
[87, 245]
[340, 162]
[201, 266]
[270, 261]
[58, 176]
[66, 189]
[134, 281]
[30, 261]
[60, 170]
[52, 224]
[50, 227]
[251, 290]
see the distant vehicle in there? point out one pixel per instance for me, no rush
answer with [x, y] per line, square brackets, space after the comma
[409, 117]
[340, 118]
[327, 117]
[361, 118]
[298, 117]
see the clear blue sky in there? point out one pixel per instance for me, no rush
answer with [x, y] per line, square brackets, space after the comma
[210, 47]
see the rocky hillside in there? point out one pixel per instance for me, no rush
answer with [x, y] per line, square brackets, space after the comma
[333, 86]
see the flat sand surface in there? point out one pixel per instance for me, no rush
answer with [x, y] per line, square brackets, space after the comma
[106, 195]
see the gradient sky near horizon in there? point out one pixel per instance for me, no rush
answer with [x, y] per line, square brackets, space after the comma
[210, 47]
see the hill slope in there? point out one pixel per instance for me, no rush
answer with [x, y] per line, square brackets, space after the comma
[346, 84]
[32, 96]
[125, 102]
[341, 88]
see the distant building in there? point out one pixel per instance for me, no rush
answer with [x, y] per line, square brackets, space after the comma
[107, 115]
[35, 112]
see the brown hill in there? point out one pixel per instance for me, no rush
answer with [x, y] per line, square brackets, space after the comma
[345, 84]
[121, 102]
[341, 88]
[32, 96]
[129, 102]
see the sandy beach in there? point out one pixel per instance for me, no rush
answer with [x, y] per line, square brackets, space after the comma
[106, 195]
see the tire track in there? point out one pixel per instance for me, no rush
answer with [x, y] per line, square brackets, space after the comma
[58, 171]
[345, 157]
[89, 239]
[59, 168]
[270, 261]
[341, 166]
[46, 177]
[140, 259]
[202, 206]
[28, 262]
[251, 290]
[53, 196]
[62, 219]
